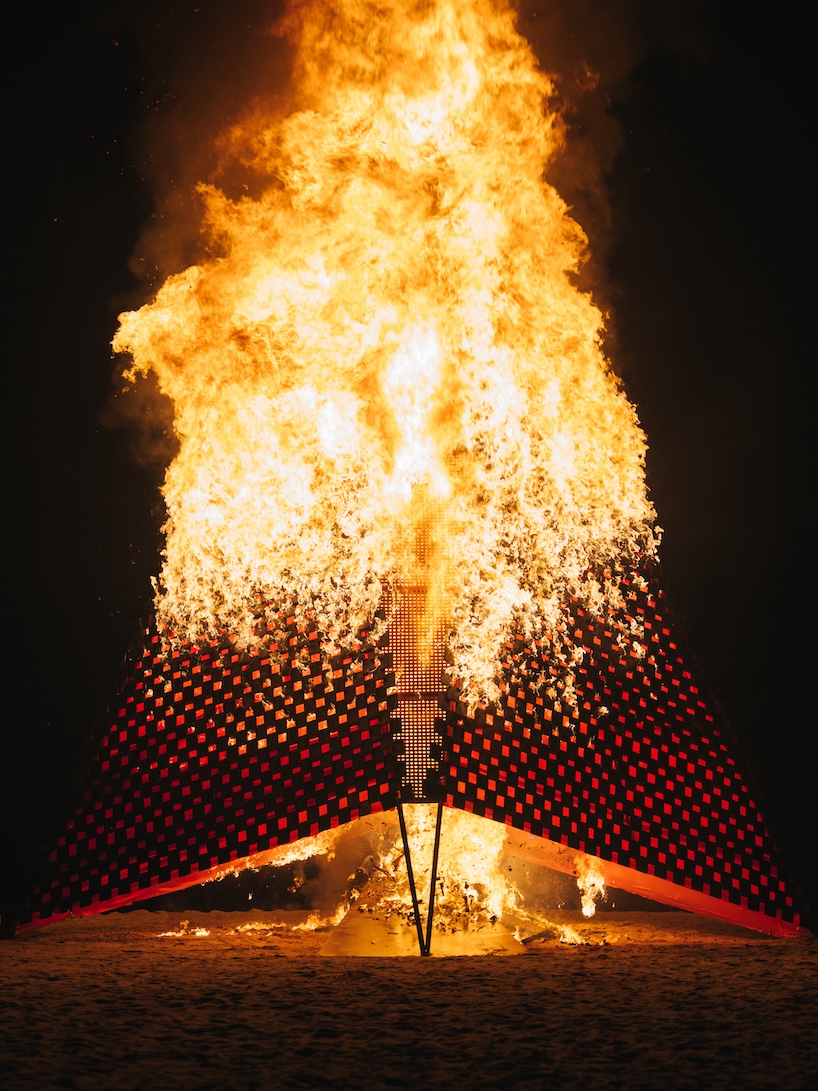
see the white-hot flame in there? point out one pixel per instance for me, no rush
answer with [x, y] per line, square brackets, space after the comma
[392, 302]
[591, 883]
[471, 885]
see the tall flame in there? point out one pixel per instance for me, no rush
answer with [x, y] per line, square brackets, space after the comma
[389, 312]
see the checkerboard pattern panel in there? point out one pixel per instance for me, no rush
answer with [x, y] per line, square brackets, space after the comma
[216, 755]
[635, 772]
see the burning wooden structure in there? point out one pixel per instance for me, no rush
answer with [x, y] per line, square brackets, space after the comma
[219, 758]
[399, 441]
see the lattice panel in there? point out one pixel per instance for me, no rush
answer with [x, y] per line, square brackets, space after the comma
[417, 632]
[636, 772]
[418, 669]
[216, 756]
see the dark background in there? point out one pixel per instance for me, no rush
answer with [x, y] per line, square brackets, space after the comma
[688, 163]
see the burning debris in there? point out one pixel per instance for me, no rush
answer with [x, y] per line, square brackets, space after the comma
[184, 930]
[472, 888]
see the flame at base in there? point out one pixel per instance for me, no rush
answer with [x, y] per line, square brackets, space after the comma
[471, 884]
[475, 885]
[591, 883]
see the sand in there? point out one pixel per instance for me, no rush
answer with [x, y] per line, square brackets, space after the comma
[647, 1000]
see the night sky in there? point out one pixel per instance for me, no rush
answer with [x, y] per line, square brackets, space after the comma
[688, 166]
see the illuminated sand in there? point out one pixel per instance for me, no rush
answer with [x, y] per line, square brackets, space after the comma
[650, 1000]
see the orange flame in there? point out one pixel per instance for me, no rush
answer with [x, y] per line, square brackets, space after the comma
[389, 313]
[591, 883]
[471, 885]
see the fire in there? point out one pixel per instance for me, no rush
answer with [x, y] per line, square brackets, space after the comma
[385, 315]
[591, 883]
[471, 887]
[185, 929]
[317, 921]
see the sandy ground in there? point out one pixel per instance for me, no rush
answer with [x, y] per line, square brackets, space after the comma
[663, 1000]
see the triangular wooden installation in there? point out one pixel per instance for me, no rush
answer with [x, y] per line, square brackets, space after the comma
[218, 757]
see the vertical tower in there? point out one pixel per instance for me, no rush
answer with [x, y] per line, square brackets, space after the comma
[417, 630]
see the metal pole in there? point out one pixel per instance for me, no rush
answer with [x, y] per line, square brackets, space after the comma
[435, 855]
[408, 855]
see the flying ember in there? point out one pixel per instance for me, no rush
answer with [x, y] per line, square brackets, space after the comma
[386, 321]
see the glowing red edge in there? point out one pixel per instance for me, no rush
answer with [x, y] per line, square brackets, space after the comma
[524, 846]
[183, 882]
[538, 850]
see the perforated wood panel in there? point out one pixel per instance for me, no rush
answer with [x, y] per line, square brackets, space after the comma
[417, 629]
[216, 756]
[637, 772]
